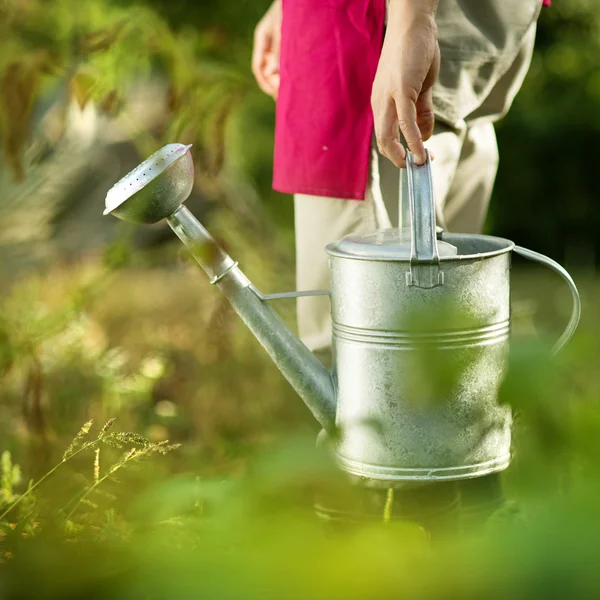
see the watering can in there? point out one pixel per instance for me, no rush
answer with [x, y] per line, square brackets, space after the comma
[379, 282]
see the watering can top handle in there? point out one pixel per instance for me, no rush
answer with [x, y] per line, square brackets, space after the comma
[424, 256]
[576, 311]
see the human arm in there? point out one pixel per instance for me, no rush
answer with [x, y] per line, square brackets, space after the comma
[265, 53]
[402, 96]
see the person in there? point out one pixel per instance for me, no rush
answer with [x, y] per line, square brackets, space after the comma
[356, 82]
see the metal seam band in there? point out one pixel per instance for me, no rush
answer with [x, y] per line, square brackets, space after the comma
[481, 335]
[220, 276]
[371, 471]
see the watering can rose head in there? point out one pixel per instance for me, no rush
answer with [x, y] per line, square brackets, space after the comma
[155, 189]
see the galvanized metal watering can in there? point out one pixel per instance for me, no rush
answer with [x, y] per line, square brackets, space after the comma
[388, 290]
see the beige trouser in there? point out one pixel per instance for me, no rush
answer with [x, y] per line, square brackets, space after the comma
[464, 169]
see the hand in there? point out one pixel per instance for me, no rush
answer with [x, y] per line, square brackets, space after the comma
[265, 54]
[402, 92]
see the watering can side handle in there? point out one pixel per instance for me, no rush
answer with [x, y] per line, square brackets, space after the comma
[576, 312]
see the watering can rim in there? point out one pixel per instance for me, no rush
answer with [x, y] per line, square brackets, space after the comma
[506, 246]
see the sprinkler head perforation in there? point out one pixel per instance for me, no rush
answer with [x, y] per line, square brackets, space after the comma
[155, 188]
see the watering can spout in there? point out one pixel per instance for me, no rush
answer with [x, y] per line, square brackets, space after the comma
[155, 191]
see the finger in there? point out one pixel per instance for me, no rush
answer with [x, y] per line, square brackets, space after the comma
[260, 51]
[273, 70]
[387, 133]
[276, 42]
[407, 120]
[275, 86]
[425, 114]
[271, 75]
[273, 82]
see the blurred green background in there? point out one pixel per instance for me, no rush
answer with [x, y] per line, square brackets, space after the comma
[102, 320]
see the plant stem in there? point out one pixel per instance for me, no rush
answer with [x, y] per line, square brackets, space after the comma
[389, 502]
[40, 481]
[134, 455]
[89, 490]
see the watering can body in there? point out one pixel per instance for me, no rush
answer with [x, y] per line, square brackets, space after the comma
[420, 333]
[419, 369]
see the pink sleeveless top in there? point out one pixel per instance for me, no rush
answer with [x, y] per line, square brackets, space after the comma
[329, 55]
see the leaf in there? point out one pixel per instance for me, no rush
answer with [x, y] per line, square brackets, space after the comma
[99, 40]
[217, 132]
[7, 480]
[110, 104]
[89, 503]
[7, 354]
[81, 86]
[174, 99]
[18, 91]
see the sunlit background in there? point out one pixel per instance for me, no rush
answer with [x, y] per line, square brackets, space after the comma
[103, 320]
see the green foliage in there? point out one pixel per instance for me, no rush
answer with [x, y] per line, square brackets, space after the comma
[256, 537]
[545, 195]
[240, 522]
[95, 51]
[22, 512]
[230, 513]
[11, 477]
